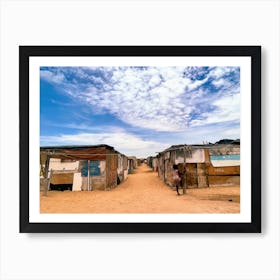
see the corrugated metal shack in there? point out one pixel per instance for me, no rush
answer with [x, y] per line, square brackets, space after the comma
[132, 164]
[152, 162]
[195, 166]
[122, 168]
[83, 168]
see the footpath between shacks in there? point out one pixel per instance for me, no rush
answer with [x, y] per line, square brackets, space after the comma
[143, 192]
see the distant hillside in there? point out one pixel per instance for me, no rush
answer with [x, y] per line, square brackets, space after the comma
[228, 141]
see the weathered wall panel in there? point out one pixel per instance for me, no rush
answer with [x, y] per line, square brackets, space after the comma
[155, 164]
[191, 156]
[64, 178]
[202, 175]
[224, 180]
[112, 172]
[225, 170]
[199, 170]
[77, 182]
[57, 164]
[122, 168]
[191, 175]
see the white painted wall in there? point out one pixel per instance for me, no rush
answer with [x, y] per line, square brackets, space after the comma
[125, 174]
[77, 182]
[56, 164]
[198, 156]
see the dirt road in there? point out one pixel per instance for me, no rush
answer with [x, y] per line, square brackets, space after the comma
[144, 192]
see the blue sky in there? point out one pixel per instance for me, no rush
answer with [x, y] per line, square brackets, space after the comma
[138, 110]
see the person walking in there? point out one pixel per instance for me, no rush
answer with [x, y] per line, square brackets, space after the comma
[176, 178]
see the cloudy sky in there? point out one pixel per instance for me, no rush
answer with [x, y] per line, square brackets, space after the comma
[138, 110]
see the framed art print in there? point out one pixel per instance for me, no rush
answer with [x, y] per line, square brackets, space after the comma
[140, 139]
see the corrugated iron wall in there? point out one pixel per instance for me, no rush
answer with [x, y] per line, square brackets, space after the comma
[199, 174]
[111, 171]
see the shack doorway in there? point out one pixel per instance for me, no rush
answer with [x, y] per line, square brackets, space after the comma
[89, 170]
[61, 187]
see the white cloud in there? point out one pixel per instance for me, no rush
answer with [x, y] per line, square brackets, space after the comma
[52, 77]
[221, 82]
[207, 133]
[154, 80]
[232, 133]
[123, 142]
[158, 98]
[228, 110]
[219, 72]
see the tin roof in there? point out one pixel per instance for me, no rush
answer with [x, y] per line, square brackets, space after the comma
[198, 146]
[75, 147]
[89, 152]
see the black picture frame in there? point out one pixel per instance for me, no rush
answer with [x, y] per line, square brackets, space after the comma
[254, 52]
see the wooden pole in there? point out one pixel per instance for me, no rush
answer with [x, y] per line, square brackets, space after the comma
[184, 172]
[106, 172]
[164, 180]
[206, 165]
[47, 164]
[88, 182]
[46, 179]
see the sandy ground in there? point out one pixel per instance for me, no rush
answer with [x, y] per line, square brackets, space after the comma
[143, 192]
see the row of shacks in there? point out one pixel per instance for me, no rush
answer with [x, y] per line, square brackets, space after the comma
[83, 168]
[195, 165]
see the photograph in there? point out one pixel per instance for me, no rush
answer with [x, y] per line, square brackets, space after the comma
[140, 138]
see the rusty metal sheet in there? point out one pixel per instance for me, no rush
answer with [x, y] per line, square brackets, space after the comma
[65, 178]
[191, 175]
[80, 154]
[224, 170]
